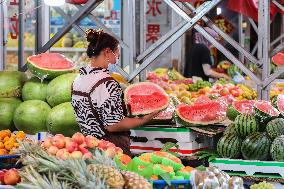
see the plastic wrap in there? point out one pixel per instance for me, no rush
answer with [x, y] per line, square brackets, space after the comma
[213, 178]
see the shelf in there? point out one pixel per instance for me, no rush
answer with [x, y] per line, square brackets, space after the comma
[66, 49]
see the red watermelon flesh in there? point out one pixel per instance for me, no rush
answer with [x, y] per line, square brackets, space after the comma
[244, 106]
[166, 114]
[202, 114]
[54, 61]
[266, 107]
[278, 59]
[145, 97]
[280, 104]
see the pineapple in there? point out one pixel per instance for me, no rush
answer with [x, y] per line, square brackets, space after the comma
[135, 181]
[112, 176]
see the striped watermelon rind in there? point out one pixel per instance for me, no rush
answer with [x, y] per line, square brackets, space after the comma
[231, 129]
[264, 111]
[245, 125]
[277, 149]
[229, 146]
[275, 128]
[256, 147]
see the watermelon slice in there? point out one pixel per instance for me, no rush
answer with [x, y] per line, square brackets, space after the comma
[145, 98]
[278, 59]
[264, 111]
[280, 104]
[49, 65]
[240, 107]
[201, 114]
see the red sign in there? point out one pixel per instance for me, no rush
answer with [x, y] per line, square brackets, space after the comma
[153, 7]
[153, 32]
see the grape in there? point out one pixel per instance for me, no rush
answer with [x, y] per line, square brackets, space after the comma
[262, 185]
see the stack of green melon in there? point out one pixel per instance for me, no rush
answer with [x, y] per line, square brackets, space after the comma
[34, 105]
[256, 136]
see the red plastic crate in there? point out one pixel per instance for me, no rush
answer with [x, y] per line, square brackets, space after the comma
[76, 1]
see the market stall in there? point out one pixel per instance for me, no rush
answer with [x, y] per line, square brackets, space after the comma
[221, 134]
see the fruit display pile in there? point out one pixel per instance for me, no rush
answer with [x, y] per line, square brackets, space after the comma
[9, 177]
[262, 185]
[257, 132]
[71, 40]
[155, 165]
[78, 146]
[9, 141]
[35, 105]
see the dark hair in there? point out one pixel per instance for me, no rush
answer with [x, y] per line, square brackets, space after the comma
[98, 41]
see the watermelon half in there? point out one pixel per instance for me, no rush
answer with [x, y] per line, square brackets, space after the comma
[240, 107]
[145, 98]
[264, 111]
[278, 59]
[201, 114]
[49, 65]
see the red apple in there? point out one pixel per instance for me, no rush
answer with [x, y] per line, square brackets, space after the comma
[83, 150]
[110, 152]
[103, 144]
[118, 150]
[110, 145]
[91, 141]
[47, 143]
[71, 146]
[12, 177]
[67, 140]
[52, 150]
[58, 141]
[76, 154]
[63, 154]
[88, 155]
[79, 138]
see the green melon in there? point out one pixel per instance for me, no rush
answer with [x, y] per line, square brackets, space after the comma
[34, 89]
[277, 149]
[245, 125]
[231, 129]
[264, 111]
[62, 120]
[49, 65]
[275, 128]
[229, 146]
[30, 116]
[256, 147]
[11, 83]
[8, 107]
[59, 89]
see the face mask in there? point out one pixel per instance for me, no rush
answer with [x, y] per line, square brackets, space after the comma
[116, 58]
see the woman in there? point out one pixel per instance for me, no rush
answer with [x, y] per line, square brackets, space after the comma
[98, 99]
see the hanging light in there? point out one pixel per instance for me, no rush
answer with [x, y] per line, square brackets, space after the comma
[54, 2]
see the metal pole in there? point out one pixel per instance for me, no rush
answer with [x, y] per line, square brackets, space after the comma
[132, 36]
[264, 19]
[21, 34]
[143, 25]
[2, 60]
[241, 37]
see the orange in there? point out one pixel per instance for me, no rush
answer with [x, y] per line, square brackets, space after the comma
[6, 139]
[20, 135]
[3, 152]
[5, 133]
[9, 144]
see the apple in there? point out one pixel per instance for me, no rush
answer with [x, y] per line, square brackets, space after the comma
[83, 150]
[71, 146]
[47, 143]
[110, 152]
[118, 150]
[79, 138]
[52, 150]
[91, 141]
[12, 177]
[88, 155]
[63, 154]
[58, 141]
[102, 144]
[76, 154]
[67, 140]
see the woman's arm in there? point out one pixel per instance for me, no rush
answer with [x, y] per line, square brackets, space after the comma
[129, 123]
[210, 72]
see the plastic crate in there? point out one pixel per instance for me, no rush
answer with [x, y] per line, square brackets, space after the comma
[177, 184]
[9, 161]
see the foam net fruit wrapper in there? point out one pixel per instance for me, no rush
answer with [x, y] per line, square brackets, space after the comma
[213, 178]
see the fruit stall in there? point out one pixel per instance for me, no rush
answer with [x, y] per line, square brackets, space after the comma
[220, 134]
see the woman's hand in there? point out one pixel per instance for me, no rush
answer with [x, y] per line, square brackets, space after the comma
[150, 116]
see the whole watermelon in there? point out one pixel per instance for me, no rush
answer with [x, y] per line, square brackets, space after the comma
[59, 89]
[11, 83]
[31, 115]
[229, 146]
[275, 128]
[62, 120]
[246, 125]
[277, 149]
[231, 129]
[34, 89]
[8, 107]
[256, 147]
